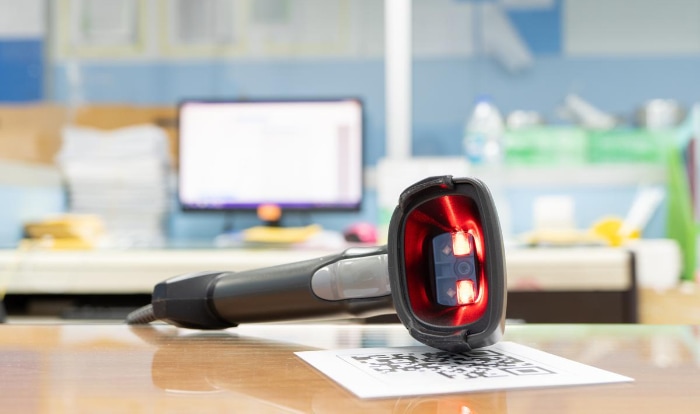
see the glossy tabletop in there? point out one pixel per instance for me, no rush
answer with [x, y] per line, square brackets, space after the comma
[92, 368]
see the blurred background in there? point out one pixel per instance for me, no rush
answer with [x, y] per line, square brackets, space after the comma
[588, 105]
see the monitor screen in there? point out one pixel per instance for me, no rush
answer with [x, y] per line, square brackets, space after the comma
[299, 155]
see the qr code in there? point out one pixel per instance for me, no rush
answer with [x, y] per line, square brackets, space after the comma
[476, 364]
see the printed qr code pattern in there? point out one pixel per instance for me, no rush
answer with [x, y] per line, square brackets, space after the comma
[476, 364]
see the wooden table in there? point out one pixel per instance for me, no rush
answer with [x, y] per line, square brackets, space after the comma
[93, 368]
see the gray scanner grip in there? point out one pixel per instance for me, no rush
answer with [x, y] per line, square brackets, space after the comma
[358, 277]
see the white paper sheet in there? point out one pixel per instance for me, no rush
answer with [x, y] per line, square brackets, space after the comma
[421, 370]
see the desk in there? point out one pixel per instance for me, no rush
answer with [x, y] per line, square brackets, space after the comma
[585, 285]
[117, 368]
[131, 271]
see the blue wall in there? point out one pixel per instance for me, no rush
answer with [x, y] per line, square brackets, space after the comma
[21, 204]
[21, 70]
[169, 83]
[444, 90]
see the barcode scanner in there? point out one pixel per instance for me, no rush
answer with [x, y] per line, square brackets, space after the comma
[442, 271]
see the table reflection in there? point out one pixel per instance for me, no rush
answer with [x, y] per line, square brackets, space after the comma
[152, 369]
[268, 373]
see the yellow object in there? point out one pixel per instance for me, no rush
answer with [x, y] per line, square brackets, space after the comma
[608, 228]
[266, 234]
[64, 243]
[68, 231]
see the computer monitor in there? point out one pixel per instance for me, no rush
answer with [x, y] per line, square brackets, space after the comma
[296, 154]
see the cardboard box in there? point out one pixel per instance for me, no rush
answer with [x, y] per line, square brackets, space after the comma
[31, 132]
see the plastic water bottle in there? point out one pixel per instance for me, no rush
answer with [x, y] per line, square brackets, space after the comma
[485, 149]
[483, 134]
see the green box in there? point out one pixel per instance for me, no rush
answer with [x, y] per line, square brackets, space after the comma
[628, 146]
[546, 146]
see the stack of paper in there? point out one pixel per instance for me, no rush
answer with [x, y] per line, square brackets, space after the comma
[121, 175]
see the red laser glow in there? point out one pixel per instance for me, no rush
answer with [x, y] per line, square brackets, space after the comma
[466, 292]
[460, 244]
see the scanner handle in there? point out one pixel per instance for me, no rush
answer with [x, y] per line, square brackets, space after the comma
[354, 283]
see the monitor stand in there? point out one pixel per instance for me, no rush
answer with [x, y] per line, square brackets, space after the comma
[270, 233]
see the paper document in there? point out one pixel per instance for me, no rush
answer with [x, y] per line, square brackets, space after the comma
[121, 175]
[421, 370]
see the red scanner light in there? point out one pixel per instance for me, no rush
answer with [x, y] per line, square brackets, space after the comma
[460, 244]
[466, 292]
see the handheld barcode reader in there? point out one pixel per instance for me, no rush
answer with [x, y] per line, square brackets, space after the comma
[442, 271]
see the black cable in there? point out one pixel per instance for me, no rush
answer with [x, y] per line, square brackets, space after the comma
[141, 316]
